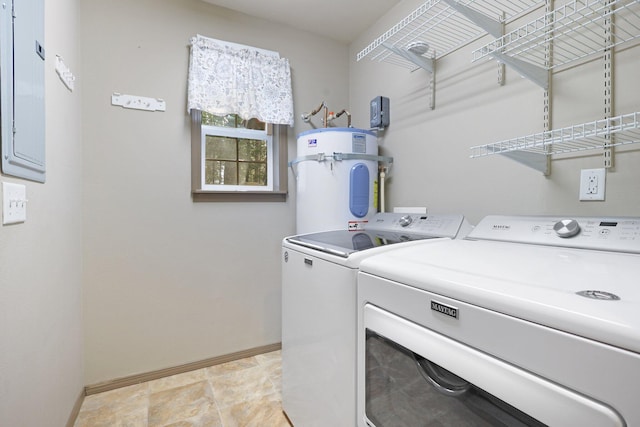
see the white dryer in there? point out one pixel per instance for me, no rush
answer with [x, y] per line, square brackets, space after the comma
[529, 321]
[319, 273]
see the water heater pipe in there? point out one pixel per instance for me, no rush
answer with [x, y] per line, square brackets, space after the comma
[306, 116]
[383, 174]
[348, 116]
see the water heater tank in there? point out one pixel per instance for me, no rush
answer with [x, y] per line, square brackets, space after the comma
[336, 175]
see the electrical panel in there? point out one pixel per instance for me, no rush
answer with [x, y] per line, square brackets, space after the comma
[22, 108]
[379, 112]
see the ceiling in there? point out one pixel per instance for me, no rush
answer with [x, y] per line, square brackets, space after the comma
[342, 20]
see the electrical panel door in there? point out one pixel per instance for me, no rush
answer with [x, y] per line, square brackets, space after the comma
[22, 109]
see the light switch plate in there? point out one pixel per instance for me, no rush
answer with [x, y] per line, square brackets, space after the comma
[14, 203]
[592, 184]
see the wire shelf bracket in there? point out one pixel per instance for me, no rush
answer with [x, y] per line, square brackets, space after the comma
[419, 60]
[444, 26]
[539, 162]
[491, 26]
[537, 75]
[575, 29]
[428, 64]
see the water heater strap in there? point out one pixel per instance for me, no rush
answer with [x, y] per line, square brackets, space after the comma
[321, 157]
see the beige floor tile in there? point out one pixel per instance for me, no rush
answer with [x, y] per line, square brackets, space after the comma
[264, 412]
[103, 417]
[270, 357]
[272, 363]
[241, 386]
[189, 402]
[113, 417]
[244, 392]
[236, 365]
[179, 380]
[137, 418]
[132, 395]
[211, 419]
[125, 406]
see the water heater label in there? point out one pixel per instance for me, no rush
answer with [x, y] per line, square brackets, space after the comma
[358, 143]
[356, 225]
[312, 142]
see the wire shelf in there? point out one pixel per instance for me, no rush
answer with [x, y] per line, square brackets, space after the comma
[444, 29]
[599, 134]
[577, 30]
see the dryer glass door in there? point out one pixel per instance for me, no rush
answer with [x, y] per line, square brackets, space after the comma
[414, 376]
[405, 389]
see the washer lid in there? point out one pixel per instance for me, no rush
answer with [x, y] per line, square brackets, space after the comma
[344, 243]
[542, 284]
[381, 230]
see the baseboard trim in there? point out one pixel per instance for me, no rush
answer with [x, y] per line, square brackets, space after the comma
[76, 409]
[167, 372]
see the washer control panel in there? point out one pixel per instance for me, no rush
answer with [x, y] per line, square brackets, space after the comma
[620, 234]
[425, 225]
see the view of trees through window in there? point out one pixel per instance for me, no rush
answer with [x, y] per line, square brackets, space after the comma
[231, 160]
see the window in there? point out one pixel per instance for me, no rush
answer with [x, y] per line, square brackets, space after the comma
[238, 154]
[237, 160]
[232, 159]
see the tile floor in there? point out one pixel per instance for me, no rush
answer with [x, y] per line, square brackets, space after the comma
[242, 393]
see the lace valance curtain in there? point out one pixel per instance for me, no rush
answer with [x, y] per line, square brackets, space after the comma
[225, 78]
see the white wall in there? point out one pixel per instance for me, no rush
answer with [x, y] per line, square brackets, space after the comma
[169, 281]
[41, 359]
[431, 148]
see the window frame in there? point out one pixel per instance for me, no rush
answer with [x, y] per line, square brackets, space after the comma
[278, 172]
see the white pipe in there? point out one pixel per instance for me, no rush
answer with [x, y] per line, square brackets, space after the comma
[382, 176]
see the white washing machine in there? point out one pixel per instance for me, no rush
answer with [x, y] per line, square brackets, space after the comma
[319, 310]
[529, 321]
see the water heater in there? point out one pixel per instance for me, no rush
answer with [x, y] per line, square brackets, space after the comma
[336, 177]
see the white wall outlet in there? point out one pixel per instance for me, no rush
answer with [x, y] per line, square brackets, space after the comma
[14, 203]
[592, 184]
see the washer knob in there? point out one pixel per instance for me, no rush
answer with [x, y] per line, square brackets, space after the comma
[405, 220]
[567, 228]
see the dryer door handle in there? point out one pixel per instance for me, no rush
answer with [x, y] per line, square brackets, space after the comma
[442, 380]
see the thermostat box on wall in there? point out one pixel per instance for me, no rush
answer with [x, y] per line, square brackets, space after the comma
[379, 116]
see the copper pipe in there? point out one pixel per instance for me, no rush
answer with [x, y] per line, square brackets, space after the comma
[307, 116]
[348, 116]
